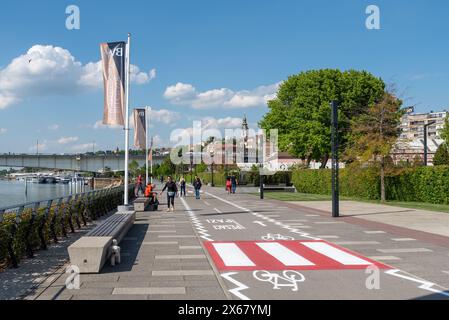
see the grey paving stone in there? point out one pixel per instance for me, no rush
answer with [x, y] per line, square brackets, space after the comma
[182, 273]
[150, 291]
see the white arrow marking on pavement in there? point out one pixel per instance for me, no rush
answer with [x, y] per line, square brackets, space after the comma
[240, 286]
[425, 285]
[261, 223]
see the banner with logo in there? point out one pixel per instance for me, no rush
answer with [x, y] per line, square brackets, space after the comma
[150, 153]
[113, 60]
[140, 129]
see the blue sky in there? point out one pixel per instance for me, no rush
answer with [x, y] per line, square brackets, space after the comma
[211, 60]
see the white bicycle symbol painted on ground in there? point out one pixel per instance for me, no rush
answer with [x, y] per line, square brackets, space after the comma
[289, 278]
[273, 237]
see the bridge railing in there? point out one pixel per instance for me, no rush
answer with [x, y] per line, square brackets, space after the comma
[32, 226]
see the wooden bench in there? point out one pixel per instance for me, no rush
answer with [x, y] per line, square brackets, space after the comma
[91, 252]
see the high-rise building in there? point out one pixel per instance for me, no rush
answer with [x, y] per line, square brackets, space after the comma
[410, 145]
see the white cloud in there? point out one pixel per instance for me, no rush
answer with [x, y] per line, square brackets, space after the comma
[164, 116]
[87, 147]
[99, 125]
[67, 140]
[223, 123]
[49, 70]
[54, 127]
[3, 130]
[186, 94]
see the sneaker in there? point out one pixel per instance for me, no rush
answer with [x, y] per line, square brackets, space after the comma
[168, 210]
[172, 209]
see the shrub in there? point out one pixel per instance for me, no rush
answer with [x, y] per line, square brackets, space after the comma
[421, 184]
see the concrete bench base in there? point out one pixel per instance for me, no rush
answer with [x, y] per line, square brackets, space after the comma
[141, 204]
[90, 253]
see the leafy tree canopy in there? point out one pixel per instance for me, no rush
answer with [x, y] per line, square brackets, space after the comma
[302, 114]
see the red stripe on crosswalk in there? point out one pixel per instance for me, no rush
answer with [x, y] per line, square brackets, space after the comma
[285, 255]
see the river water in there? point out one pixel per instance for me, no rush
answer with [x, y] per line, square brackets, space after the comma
[13, 192]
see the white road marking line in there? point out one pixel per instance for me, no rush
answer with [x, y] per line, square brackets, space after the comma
[240, 286]
[294, 220]
[273, 215]
[218, 211]
[302, 234]
[335, 253]
[284, 255]
[232, 255]
[403, 239]
[374, 232]
[207, 203]
[405, 250]
[260, 223]
[447, 272]
[312, 215]
[329, 237]
[384, 258]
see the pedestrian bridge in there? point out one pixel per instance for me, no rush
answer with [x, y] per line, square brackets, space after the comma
[82, 163]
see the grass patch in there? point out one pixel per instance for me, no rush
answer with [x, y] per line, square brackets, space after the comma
[288, 196]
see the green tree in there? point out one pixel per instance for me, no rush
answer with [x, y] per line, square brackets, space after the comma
[375, 133]
[441, 156]
[167, 167]
[444, 132]
[133, 168]
[302, 114]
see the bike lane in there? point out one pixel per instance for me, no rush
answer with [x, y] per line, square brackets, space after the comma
[264, 252]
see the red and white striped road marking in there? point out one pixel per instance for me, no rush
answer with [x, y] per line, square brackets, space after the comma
[285, 255]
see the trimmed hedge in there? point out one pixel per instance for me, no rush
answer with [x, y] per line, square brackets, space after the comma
[421, 184]
[32, 232]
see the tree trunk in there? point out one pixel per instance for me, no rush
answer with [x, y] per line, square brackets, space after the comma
[324, 161]
[382, 180]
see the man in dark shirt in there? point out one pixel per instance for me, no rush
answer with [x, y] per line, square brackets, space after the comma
[197, 186]
[233, 183]
[172, 190]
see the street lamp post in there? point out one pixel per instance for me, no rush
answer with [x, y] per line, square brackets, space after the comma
[262, 196]
[335, 187]
[425, 140]
[212, 167]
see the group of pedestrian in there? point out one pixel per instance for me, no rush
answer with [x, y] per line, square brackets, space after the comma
[231, 184]
[172, 189]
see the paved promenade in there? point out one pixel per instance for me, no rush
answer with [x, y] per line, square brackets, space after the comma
[239, 247]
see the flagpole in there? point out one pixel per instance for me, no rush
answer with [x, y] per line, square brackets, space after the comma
[151, 159]
[146, 143]
[128, 73]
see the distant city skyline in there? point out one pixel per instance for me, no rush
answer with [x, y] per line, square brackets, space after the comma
[201, 60]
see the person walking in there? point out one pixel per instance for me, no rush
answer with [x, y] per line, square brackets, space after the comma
[139, 186]
[228, 185]
[197, 186]
[172, 190]
[233, 184]
[182, 184]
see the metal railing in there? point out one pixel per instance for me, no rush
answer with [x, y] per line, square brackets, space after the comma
[27, 227]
